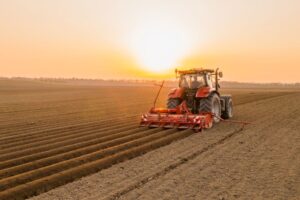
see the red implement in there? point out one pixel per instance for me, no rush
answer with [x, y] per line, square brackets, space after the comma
[180, 118]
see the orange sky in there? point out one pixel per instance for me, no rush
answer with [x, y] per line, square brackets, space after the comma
[256, 40]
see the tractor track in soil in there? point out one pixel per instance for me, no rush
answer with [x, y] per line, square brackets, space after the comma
[60, 150]
[173, 166]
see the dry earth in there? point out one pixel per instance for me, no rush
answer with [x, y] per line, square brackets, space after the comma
[50, 136]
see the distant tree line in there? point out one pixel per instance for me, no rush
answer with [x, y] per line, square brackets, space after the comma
[142, 82]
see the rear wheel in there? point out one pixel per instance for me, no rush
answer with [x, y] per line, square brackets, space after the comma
[211, 104]
[173, 103]
[228, 112]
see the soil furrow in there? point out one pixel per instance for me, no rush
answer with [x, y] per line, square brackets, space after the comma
[73, 126]
[63, 135]
[49, 182]
[57, 144]
[56, 168]
[105, 142]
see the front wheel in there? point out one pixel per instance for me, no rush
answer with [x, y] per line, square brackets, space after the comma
[211, 104]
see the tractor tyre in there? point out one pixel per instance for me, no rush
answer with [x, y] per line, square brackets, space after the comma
[211, 104]
[173, 103]
[228, 112]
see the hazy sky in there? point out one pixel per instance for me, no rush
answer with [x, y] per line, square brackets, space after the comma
[253, 40]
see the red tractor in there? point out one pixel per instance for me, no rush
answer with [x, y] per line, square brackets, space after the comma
[195, 104]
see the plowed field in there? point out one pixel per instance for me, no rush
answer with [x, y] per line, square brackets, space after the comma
[52, 136]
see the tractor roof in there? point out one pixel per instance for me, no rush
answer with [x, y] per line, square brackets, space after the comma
[195, 71]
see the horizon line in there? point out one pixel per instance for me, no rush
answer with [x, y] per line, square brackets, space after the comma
[131, 79]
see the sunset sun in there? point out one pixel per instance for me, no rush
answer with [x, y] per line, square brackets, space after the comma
[159, 48]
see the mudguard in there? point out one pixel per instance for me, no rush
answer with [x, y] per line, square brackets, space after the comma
[176, 93]
[203, 92]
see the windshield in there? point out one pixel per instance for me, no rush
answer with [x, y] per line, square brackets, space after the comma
[192, 81]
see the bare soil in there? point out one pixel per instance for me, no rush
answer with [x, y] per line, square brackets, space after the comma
[84, 143]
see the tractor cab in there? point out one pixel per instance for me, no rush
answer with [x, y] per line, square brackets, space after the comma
[196, 78]
[192, 81]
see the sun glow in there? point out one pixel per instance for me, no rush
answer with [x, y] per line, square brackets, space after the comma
[159, 48]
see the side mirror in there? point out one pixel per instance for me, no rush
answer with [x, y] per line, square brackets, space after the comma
[220, 74]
